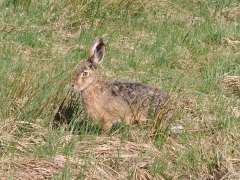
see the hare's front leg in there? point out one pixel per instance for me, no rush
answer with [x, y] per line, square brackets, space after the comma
[109, 120]
[107, 126]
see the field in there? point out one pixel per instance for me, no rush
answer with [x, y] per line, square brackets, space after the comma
[189, 48]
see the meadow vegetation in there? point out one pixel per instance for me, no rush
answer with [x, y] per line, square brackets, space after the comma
[191, 49]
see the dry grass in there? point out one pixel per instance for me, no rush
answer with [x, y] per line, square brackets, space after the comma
[11, 136]
[232, 13]
[100, 157]
[26, 168]
[232, 84]
[113, 158]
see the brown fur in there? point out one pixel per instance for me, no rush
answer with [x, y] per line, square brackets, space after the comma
[108, 102]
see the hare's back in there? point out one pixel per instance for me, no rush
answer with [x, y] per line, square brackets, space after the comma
[135, 93]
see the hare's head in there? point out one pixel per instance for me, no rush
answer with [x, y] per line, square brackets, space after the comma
[85, 73]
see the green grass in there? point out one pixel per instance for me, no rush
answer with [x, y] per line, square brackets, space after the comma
[179, 46]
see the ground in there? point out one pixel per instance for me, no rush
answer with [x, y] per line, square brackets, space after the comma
[190, 49]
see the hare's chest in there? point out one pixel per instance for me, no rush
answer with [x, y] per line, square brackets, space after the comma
[94, 104]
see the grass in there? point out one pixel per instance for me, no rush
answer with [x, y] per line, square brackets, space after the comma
[188, 48]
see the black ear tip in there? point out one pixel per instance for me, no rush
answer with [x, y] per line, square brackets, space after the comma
[100, 42]
[100, 45]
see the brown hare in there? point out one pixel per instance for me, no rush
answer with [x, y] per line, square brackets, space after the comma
[108, 102]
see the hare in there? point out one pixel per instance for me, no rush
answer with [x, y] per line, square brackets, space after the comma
[108, 102]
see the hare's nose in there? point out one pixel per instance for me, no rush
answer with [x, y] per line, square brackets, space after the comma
[71, 86]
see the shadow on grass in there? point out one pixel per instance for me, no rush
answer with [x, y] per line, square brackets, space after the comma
[70, 114]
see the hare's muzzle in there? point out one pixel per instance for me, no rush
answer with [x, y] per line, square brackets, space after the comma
[74, 88]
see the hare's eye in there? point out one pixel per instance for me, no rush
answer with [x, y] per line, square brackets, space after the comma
[85, 73]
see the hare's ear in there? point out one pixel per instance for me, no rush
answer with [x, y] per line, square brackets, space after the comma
[97, 52]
